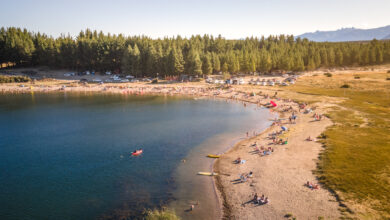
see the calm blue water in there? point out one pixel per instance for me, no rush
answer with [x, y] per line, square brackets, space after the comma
[66, 156]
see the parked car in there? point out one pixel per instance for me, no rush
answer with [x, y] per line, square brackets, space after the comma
[96, 80]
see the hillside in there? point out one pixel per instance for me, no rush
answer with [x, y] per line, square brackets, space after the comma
[349, 34]
[386, 38]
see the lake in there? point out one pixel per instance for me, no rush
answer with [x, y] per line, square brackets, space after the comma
[67, 156]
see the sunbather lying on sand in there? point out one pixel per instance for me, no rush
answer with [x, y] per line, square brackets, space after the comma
[243, 178]
[312, 186]
[265, 153]
[239, 161]
[309, 139]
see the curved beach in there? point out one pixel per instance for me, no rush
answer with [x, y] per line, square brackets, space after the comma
[280, 176]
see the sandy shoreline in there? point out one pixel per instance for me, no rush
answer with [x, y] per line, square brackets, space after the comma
[280, 176]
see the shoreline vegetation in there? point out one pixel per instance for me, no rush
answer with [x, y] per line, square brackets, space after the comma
[346, 153]
[162, 214]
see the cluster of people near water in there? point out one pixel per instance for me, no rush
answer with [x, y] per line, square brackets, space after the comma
[262, 151]
[274, 136]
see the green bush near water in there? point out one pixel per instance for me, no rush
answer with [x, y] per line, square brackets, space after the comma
[164, 214]
[328, 74]
[14, 79]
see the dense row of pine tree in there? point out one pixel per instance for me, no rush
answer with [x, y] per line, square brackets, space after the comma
[140, 55]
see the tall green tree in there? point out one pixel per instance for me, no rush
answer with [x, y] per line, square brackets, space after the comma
[207, 67]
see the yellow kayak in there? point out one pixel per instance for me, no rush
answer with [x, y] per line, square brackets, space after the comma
[207, 174]
[213, 156]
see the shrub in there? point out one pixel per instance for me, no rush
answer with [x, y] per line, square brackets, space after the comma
[322, 136]
[161, 215]
[388, 78]
[328, 74]
[14, 79]
[357, 77]
[288, 215]
[226, 76]
[155, 81]
[388, 71]
[345, 86]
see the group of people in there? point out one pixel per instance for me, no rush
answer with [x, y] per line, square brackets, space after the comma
[302, 106]
[274, 134]
[263, 151]
[239, 161]
[292, 118]
[280, 141]
[245, 176]
[260, 200]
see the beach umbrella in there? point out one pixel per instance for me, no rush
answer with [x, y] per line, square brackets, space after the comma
[273, 103]
[284, 128]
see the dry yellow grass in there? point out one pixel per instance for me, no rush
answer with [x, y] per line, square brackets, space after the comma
[356, 160]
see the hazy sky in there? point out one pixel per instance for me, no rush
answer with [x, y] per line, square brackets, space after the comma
[231, 19]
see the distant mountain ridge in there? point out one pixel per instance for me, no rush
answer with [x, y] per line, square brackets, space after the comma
[387, 37]
[349, 34]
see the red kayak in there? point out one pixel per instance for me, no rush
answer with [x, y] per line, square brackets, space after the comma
[137, 153]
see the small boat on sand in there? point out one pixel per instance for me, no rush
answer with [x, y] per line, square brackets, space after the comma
[137, 152]
[213, 156]
[207, 174]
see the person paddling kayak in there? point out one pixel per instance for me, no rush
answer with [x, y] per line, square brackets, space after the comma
[137, 152]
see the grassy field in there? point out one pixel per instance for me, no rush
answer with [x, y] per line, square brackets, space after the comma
[356, 159]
